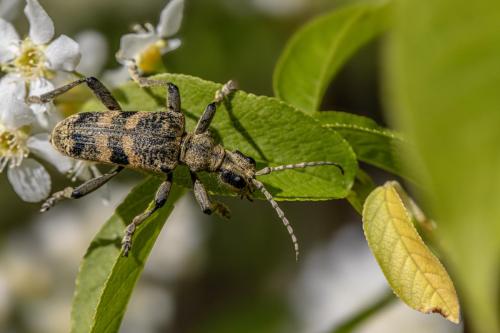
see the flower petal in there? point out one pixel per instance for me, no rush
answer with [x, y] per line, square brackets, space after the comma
[46, 114]
[94, 50]
[12, 84]
[8, 41]
[40, 146]
[131, 45]
[41, 25]
[61, 78]
[46, 117]
[30, 180]
[63, 54]
[14, 113]
[170, 18]
[171, 45]
[40, 86]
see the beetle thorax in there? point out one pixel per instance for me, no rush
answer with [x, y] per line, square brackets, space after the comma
[200, 152]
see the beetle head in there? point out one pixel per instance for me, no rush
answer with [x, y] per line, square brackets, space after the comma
[237, 171]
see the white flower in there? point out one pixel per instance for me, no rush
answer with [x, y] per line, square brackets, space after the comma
[21, 135]
[30, 65]
[34, 61]
[147, 44]
[34, 57]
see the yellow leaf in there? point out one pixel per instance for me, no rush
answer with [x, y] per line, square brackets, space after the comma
[414, 273]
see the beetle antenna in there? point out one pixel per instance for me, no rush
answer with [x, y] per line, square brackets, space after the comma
[281, 215]
[268, 170]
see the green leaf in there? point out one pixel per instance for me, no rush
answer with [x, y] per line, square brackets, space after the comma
[106, 279]
[413, 272]
[270, 131]
[317, 51]
[372, 143]
[444, 74]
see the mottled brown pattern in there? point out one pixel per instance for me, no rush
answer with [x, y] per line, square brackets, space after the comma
[107, 118]
[102, 147]
[128, 147]
[153, 143]
[132, 121]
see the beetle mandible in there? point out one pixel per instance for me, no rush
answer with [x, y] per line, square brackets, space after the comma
[156, 142]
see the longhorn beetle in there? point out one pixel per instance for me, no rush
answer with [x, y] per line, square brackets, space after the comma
[156, 142]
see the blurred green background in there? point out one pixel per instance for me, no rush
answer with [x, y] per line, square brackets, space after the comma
[206, 274]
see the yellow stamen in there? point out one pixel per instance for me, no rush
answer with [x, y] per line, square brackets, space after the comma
[149, 61]
[31, 62]
[13, 146]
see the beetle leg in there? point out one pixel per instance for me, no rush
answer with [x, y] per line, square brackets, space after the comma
[160, 199]
[206, 205]
[173, 100]
[209, 113]
[141, 80]
[75, 193]
[100, 91]
[206, 118]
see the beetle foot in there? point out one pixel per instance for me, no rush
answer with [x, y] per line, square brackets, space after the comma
[127, 239]
[56, 197]
[222, 210]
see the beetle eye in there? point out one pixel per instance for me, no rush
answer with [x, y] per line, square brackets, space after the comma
[233, 179]
[247, 158]
[250, 160]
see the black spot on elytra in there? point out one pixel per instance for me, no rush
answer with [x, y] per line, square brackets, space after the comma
[81, 142]
[87, 117]
[118, 155]
[120, 119]
[127, 114]
[152, 123]
[77, 149]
